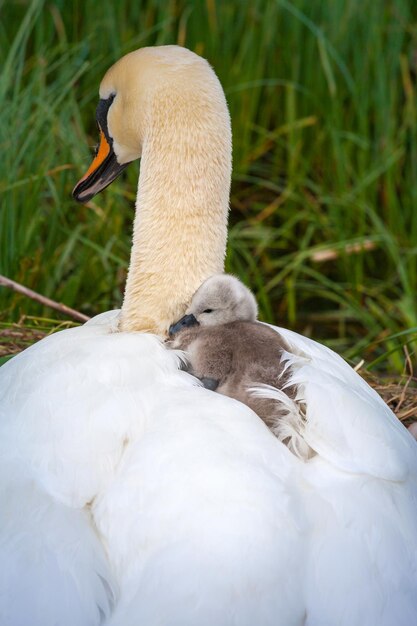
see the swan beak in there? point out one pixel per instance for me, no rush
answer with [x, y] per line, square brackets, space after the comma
[102, 171]
[184, 322]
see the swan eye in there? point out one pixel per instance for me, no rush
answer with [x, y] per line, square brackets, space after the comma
[208, 311]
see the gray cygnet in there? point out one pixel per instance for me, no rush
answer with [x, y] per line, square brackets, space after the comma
[231, 352]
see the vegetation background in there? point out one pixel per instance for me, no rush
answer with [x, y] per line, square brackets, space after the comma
[322, 96]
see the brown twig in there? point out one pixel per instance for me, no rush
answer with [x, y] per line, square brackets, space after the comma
[29, 293]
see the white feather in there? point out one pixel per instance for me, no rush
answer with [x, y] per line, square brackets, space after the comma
[288, 423]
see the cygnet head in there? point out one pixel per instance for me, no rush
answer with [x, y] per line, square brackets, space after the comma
[220, 299]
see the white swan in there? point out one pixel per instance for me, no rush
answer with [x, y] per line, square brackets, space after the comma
[130, 496]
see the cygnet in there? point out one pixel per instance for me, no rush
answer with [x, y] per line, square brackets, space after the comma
[234, 354]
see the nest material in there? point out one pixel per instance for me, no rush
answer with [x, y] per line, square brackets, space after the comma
[399, 393]
[15, 339]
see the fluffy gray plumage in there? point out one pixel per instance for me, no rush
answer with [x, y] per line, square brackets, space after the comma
[230, 352]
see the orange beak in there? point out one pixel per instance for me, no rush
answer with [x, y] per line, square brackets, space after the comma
[102, 171]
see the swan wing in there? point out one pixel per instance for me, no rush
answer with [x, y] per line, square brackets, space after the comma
[54, 570]
[67, 407]
[208, 500]
[360, 494]
[344, 420]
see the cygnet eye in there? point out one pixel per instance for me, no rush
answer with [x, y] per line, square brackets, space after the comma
[208, 311]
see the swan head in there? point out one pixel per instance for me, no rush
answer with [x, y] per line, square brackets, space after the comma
[143, 85]
[219, 300]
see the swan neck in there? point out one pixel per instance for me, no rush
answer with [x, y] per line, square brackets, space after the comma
[180, 226]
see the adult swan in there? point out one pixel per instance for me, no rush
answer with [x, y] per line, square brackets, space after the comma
[129, 495]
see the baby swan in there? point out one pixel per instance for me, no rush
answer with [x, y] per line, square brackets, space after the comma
[233, 354]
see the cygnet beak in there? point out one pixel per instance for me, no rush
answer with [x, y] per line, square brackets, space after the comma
[184, 322]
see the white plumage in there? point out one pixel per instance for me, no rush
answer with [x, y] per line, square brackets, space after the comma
[131, 496]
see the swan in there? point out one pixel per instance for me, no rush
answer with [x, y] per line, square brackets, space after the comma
[130, 494]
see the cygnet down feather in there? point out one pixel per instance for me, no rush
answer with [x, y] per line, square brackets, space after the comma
[234, 354]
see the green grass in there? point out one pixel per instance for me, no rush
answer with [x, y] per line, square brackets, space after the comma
[323, 102]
